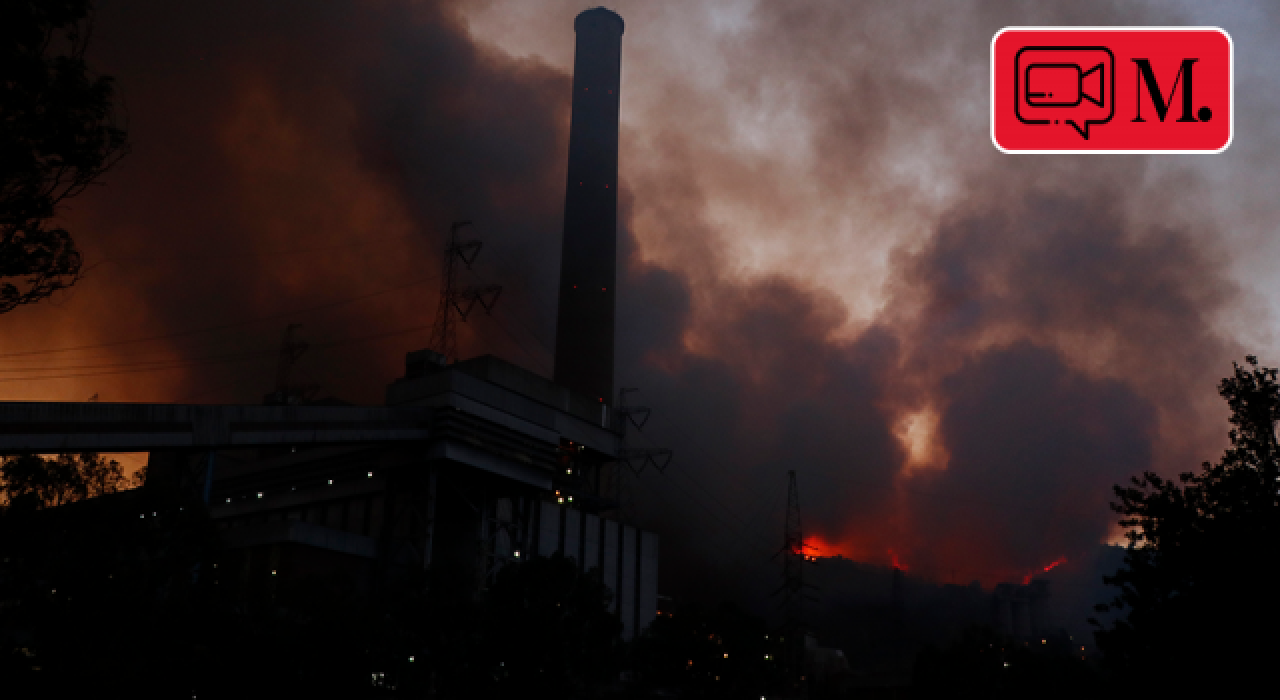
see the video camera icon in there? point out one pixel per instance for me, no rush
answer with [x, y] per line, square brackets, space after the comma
[1072, 85]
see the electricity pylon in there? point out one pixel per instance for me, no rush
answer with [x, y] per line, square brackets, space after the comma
[455, 300]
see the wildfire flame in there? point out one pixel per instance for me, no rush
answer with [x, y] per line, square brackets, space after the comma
[1027, 579]
[817, 546]
[897, 563]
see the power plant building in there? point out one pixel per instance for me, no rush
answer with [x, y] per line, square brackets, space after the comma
[467, 468]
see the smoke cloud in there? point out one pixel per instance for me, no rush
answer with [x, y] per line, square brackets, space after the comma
[826, 265]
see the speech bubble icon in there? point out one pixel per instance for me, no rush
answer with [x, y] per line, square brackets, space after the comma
[1071, 85]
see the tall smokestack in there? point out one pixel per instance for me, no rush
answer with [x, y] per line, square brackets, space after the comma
[588, 264]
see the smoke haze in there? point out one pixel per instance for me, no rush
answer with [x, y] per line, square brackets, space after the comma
[826, 266]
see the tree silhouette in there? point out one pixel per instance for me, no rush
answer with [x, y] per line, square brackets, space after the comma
[1195, 581]
[58, 134]
[34, 482]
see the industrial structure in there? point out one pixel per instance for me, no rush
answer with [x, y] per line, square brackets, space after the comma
[469, 466]
[588, 264]
[1021, 611]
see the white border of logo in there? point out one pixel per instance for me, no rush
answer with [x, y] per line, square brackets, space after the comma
[1231, 50]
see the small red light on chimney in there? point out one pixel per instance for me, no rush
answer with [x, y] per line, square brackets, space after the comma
[602, 289]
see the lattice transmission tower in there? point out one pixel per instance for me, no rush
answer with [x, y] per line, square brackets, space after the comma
[794, 590]
[455, 299]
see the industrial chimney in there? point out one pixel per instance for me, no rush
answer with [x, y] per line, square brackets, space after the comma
[588, 265]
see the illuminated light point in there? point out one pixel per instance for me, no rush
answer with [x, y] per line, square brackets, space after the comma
[370, 475]
[259, 494]
[517, 554]
[331, 482]
[273, 572]
[228, 500]
[410, 659]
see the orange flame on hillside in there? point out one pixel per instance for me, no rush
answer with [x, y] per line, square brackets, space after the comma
[1027, 579]
[897, 563]
[817, 546]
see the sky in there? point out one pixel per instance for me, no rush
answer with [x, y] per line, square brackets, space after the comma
[825, 264]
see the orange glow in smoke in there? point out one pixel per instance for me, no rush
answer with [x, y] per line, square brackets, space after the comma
[918, 433]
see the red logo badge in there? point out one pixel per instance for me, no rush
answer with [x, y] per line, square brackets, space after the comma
[1112, 90]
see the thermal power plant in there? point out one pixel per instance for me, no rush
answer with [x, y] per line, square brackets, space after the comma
[588, 263]
[469, 467]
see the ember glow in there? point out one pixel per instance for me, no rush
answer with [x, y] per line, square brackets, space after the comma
[897, 563]
[1027, 579]
[815, 545]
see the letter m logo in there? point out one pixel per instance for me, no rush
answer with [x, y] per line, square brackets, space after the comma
[1146, 75]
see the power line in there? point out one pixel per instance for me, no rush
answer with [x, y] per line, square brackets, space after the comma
[217, 359]
[109, 259]
[225, 326]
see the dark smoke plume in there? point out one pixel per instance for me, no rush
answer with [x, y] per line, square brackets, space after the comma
[826, 265]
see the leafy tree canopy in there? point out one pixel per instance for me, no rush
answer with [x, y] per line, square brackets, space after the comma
[58, 133]
[35, 482]
[1194, 596]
